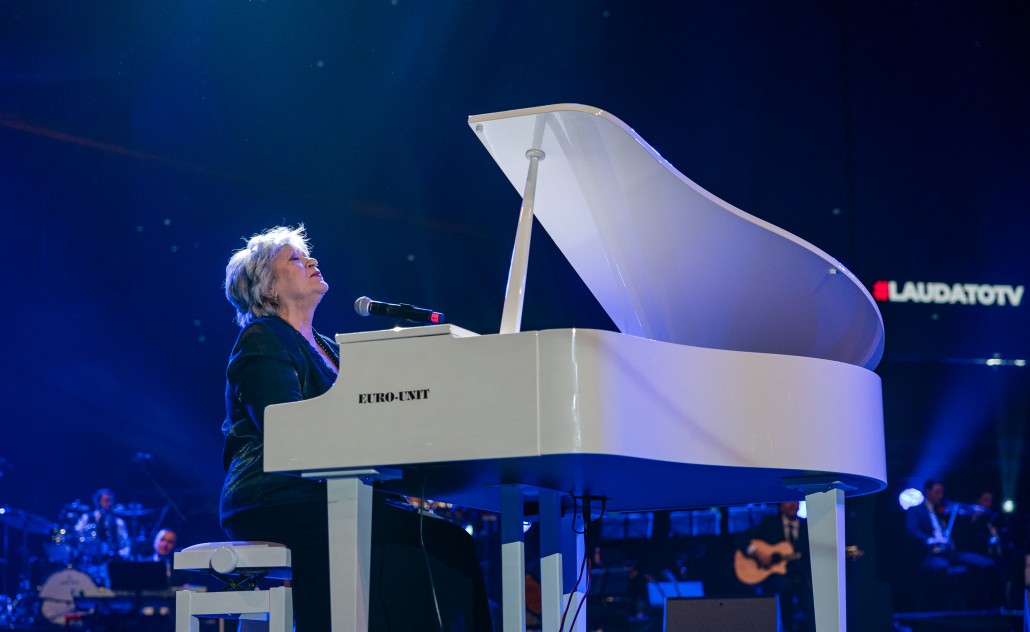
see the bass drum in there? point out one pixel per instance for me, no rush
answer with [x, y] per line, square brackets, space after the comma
[56, 595]
[60, 550]
[91, 548]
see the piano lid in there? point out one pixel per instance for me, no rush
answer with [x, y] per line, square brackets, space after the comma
[670, 261]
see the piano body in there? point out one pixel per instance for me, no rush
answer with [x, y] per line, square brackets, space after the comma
[741, 372]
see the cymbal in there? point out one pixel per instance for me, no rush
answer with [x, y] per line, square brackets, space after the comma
[131, 510]
[24, 520]
[71, 512]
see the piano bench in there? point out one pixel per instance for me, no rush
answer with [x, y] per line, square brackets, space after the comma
[241, 565]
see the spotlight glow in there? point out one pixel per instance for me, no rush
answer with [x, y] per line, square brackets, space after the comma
[910, 498]
[1008, 506]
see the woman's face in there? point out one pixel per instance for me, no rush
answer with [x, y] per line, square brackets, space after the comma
[297, 279]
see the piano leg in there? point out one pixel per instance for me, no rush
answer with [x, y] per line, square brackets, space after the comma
[513, 560]
[350, 552]
[826, 543]
[551, 584]
[558, 547]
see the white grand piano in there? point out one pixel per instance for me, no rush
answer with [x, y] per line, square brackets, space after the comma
[742, 373]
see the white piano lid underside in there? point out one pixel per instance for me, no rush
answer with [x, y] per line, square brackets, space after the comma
[670, 261]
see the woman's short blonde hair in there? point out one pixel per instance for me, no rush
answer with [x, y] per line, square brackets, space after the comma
[249, 276]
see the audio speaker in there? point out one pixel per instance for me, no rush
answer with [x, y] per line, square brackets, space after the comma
[729, 614]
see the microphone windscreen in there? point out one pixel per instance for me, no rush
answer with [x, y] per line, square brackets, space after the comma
[361, 305]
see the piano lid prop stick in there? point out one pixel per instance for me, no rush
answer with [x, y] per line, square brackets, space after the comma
[511, 317]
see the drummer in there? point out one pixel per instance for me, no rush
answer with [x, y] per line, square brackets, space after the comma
[102, 535]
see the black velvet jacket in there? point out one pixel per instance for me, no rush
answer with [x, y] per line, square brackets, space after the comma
[271, 363]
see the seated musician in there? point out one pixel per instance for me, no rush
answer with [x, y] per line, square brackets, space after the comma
[102, 535]
[164, 546]
[957, 579]
[165, 541]
[982, 533]
[778, 549]
[275, 286]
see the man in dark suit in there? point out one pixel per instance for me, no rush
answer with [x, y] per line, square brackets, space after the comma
[769, 543]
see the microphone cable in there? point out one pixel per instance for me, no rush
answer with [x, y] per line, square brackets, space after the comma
[585, 566]
[425, 553]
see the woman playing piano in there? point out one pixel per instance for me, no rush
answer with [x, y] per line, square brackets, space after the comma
[276, 286]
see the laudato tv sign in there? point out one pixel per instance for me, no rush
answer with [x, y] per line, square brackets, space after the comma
[948, 293]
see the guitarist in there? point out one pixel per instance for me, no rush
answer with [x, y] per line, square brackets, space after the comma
[768, 545]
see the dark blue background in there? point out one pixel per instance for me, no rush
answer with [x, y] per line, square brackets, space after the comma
[140, 141]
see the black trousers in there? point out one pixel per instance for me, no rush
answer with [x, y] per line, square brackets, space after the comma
[409, 584]
[797, 607]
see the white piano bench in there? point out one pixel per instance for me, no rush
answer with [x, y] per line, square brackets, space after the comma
[241, 565]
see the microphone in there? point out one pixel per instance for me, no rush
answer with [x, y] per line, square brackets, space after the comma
[365, 306]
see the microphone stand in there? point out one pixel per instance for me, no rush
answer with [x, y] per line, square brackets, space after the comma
[141, 459]
[160, 519]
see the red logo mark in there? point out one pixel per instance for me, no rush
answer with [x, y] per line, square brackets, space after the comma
[881, 291]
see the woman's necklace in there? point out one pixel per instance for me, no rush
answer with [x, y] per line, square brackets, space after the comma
[329, 351]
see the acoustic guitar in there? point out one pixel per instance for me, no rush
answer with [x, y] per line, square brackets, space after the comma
[748, 569]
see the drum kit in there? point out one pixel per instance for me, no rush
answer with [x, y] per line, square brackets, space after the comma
[72, 558]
